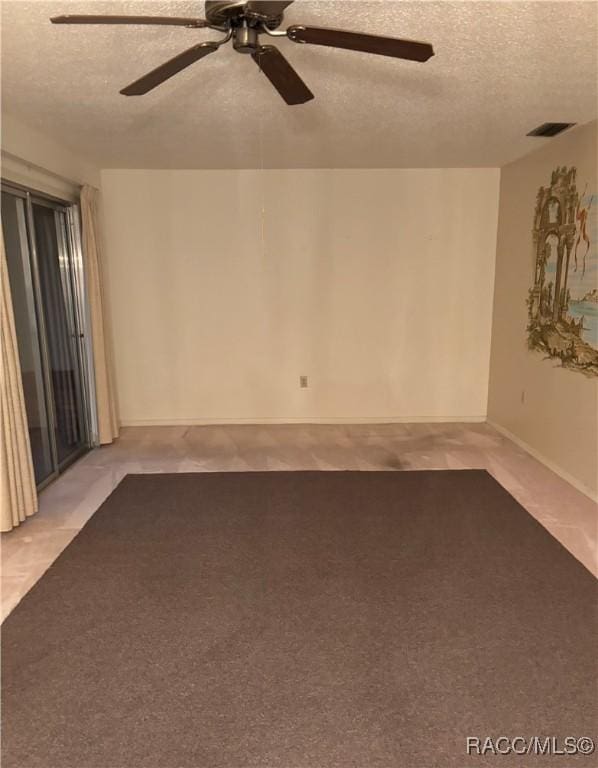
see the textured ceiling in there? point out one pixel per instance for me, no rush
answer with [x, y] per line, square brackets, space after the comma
[500, 69]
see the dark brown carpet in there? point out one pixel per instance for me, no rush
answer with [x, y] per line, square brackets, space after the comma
[301, 620]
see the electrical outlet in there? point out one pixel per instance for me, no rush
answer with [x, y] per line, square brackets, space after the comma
[303, 382]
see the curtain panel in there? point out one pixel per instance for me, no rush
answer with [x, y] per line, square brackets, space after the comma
[18, 495]
[106, 402]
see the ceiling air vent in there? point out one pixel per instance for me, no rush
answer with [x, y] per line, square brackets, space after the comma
[550, 129]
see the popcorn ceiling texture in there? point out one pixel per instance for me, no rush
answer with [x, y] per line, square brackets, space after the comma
[501, 68]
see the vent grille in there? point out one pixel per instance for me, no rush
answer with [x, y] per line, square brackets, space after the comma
[550, 129]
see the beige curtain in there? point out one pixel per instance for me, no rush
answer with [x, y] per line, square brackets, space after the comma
[18, 496]
[107, 413]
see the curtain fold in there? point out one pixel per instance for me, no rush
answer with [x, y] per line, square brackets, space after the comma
[106, 402]
[18, 495]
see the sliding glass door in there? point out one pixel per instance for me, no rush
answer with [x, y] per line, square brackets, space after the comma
[14, 225]
[45, 293]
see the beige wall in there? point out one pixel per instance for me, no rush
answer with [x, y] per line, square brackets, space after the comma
[552, 410]
[31, 158]
[377, 285]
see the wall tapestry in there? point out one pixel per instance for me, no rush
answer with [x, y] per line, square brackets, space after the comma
[563, 303]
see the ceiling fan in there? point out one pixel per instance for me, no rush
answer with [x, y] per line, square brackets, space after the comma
[244, 21]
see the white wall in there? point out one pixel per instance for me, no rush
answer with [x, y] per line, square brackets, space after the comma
[551, 410]
[375, 284]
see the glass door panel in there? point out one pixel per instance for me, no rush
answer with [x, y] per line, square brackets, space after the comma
[14, 225]
[55, 286]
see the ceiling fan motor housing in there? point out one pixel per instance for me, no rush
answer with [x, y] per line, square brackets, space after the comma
[225, 13]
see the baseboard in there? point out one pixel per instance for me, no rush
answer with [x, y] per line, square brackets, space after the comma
[203, 421]
[547, 462]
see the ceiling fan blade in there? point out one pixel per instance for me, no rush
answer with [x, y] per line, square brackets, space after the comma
[355, 41]
[282, 75]
[169, 68]
[171, 21]
[268, 7]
